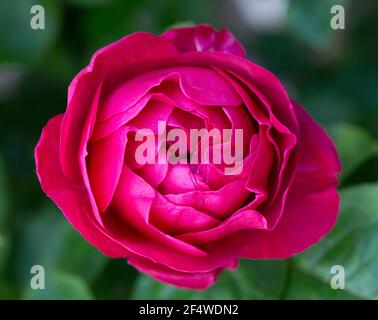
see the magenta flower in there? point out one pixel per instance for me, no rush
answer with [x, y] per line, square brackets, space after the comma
[184, 223]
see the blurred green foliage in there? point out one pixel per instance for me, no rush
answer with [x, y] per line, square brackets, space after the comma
[333, 73]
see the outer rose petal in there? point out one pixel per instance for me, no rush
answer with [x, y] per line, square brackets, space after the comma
[70, 196]
[130, 52]
[105, 165]
[204, 38]
[312, 202]
[265, 83]
[196, 281]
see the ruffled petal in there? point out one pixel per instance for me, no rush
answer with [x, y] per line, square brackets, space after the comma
[177, 219]
[204, 38]
[217, 203]
[241, 221]
[70, 196]
[312, 201]
[104, 164]
[131, 51]
[194, 281]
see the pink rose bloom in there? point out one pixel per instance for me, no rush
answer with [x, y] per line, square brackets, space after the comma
[183, 224]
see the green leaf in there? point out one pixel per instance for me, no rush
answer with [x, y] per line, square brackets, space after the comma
[252, 280]
[305, 286]
[261, 279]
[49, 240]
[148, 288]
[19, 42]
[59, 286]
[354, 145]
[116, 281]
[352, 244]
[79, 257]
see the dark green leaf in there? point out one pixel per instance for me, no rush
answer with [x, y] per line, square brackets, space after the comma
[116, 281]
[354, 145]
[84, 260]
[252, 280]
[352, 244]
[59, 286]
[49, 240]
[306, 286]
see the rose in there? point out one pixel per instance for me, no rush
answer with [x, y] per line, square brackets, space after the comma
[183, 224]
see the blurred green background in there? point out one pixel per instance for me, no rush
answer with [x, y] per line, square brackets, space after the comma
[333, 73]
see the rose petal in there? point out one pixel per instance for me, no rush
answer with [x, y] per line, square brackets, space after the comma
[104, 165]
[132, 50]
[176, 219]
[194, 281]
[312, 203]
[70, 196]
[130, 94]
[127, 220]
[181, 178]
[207, 87]
[244, 220]
[106, 127]
[204, 38]
[216, 203]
